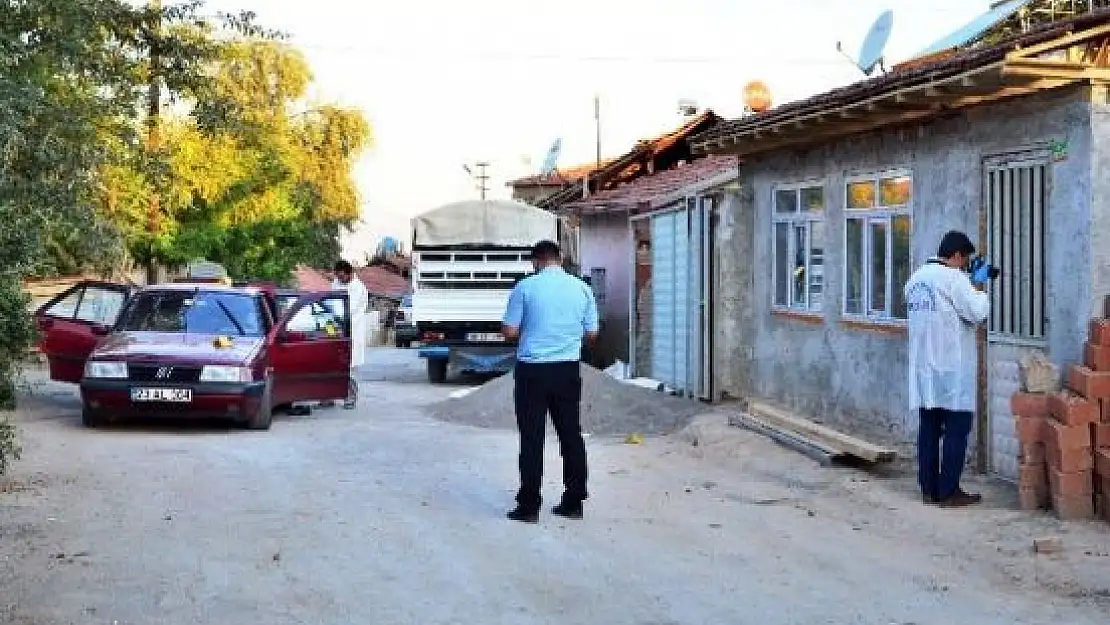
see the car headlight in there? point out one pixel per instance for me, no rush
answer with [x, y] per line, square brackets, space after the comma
[106, 370]
[225, 373]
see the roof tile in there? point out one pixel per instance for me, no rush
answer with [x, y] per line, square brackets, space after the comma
[646, 191]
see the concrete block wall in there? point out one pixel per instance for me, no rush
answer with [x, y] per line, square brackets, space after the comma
[855, 377]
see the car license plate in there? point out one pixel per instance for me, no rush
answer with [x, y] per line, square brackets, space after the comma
[171, 395]
[485, 337]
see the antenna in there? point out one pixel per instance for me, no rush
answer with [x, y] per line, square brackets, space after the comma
[687, 107]
[552, 157]
[874, 45]
[482, 176]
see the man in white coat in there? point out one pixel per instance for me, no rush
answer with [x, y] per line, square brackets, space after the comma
[359, 300]
[944, 308]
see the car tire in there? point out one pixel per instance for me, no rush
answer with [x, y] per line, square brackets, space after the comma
[90, 418]
[437, 370]
[401, 344]
[264, 415]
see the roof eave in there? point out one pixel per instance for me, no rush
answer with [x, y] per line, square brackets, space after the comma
[1021, 72]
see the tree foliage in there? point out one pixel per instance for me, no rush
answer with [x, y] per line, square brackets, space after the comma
[264, 190]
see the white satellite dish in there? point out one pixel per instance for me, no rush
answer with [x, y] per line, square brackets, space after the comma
[552, 158]
[874, 44]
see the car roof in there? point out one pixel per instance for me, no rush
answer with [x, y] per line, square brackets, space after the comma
[203, 286]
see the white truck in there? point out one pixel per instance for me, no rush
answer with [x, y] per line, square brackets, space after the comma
[466, 258]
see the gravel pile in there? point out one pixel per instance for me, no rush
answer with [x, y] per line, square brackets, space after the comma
[609, 407]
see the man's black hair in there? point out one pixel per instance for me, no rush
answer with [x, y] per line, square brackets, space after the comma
[545, 250]
[342, 266]
[955, 242]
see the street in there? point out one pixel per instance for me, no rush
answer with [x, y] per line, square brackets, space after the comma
[382, 516]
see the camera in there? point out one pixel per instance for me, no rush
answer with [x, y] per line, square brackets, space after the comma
[978, 263]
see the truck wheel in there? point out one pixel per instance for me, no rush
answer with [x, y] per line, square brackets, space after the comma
[401, 343]
[264, 415]
[437, 371]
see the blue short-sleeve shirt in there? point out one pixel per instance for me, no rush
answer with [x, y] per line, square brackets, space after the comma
[553, 310]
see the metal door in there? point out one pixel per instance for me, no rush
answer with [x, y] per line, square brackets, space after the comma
[681, 261]
[1015, 194]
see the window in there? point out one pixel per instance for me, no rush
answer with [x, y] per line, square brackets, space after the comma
[195, 312]
[798, 247]
[319, 320]
[877, 213]
[1016, 194]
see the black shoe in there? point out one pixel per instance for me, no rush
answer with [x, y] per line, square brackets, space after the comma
[524, 515]
[568, 510]
[961, 500]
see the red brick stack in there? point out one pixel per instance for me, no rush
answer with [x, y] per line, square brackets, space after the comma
[1065, 438]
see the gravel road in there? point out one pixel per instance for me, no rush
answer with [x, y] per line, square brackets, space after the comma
[383, 515]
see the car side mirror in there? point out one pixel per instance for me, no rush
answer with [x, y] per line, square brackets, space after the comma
[100, 330]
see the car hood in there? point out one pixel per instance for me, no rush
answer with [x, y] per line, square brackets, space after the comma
[201, 348]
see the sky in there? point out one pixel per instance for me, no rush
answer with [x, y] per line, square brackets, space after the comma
[445, 84]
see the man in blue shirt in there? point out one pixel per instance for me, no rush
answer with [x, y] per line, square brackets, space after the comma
[549, 314]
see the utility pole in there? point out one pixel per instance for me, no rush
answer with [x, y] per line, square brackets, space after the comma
[482, 177]
[154, 140]
[597, 126]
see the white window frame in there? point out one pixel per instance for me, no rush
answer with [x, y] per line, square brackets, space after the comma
[879, 214]
[800, 217]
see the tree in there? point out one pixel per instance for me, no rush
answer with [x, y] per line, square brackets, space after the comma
[263, 191]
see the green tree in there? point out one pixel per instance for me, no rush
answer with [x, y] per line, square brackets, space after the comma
[268, 188]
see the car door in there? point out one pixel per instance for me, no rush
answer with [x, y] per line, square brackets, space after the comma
[73, 322]
[311, 353]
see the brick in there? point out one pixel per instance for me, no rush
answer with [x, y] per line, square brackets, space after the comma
[1038, 374]
[1032, 453]
[1066, 437]
[1032, 476]
[1102, 464]
[1089, 383]
[1100, 435]
[1099, 332]
[1072, 409]
[1097, 357]
[1030, 430]
[1080, 508]
[1034, 499]
[1071, 484]
[1029, 405]
[1070, 460]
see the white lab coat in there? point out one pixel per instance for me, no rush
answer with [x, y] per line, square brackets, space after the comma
[359, 300]
[943, 309]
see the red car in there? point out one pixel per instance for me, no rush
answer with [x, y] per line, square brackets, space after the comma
[196, 350]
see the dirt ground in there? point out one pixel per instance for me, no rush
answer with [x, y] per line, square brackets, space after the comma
[384, 515]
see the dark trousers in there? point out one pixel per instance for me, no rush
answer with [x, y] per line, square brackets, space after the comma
[942, 450]
[554, 388]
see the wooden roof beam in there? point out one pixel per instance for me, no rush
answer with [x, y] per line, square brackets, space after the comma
[1058, 43]
[1042, 69]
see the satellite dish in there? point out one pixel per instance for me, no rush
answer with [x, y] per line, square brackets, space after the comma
[976, 27]
[871, 53]
[552, 158]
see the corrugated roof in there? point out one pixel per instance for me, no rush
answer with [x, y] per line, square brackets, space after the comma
[913, 73]
[382, 282]
[647, 192]
[559, 177]
[631, 164]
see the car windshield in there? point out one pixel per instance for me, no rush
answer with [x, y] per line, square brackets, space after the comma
[196, 312]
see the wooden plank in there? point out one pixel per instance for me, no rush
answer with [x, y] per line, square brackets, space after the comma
[821, 452]
[1060, 42]
[837, 440]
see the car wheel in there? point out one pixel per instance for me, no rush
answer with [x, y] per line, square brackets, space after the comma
[90, 418]
[437, 371]
[264, 416]
[400, 344]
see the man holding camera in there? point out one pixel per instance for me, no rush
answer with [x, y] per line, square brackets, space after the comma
[945, 302]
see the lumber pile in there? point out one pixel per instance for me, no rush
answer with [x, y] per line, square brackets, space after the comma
[835, 443]
[1064, 437]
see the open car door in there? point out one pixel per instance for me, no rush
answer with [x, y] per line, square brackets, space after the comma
[73, 322]
[311, 350]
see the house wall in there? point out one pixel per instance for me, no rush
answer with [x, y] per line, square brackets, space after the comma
[854, 376]
[604, 242]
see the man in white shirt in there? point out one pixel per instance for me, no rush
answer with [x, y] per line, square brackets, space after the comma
[944, 309]
[359, 301]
